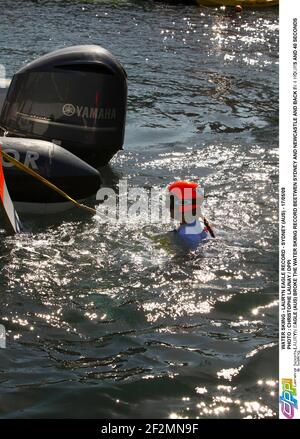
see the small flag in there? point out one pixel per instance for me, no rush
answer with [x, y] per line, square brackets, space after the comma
[8, 213]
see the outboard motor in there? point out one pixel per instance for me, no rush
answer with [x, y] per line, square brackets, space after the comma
[75, 97]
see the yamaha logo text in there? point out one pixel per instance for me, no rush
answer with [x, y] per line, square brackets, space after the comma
[94, 113]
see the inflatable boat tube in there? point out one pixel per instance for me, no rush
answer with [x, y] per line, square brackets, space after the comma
[62, 168]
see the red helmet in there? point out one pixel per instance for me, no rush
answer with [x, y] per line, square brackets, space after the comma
[187, 195]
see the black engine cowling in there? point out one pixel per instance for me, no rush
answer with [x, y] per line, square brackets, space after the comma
[75, 97]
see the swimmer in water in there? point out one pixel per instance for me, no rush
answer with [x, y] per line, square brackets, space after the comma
[186, 199]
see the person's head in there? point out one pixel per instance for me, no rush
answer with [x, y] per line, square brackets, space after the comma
[186, 199]
[238, 9]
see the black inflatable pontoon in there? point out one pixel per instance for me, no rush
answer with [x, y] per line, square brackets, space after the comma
[62, 168]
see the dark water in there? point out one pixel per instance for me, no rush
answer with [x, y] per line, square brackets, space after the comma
[104, 320]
